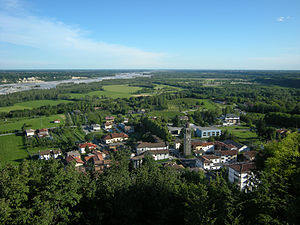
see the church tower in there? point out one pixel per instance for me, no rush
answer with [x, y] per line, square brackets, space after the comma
[187, 140]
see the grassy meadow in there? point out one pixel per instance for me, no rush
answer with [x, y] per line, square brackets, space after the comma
[112, 91]
[12, 149]
[31, 105]
[35, 123]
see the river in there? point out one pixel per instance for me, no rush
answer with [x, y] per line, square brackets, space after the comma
[17, 87]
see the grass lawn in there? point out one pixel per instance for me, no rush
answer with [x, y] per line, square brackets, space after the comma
[112, 91]
[35, 123]
[31, 105]
[12, 149]
[191, 102]
[165, 113]
[242, 133]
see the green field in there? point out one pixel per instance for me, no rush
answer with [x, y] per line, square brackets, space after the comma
[242, 133]
[112, 91]
[35, 123]
[12, 149]
[31, 105]
[187, 103]
[165, 113]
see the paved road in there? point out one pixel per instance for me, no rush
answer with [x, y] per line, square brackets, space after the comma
[7, 134]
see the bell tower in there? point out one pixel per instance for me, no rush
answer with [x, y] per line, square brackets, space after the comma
[187, 140]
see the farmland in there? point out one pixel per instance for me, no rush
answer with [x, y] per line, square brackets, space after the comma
[31, 105]
[35, 123]
[12, 149]
[112, 91]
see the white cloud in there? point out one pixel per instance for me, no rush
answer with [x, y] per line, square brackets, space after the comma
[283, 18]
[66, 42]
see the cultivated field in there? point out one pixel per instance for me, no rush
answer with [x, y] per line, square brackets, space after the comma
[31, 105]
[112, 91]
[12, 149]
[35, 123]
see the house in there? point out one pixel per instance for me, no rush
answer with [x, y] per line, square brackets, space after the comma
[204, 146]
[56, 121]
[206, 132]
[74, 156]
[43, 133]
[177, 143]
[174, 131]
[98, 161]
[127, 129]
[125, 120]
[156, 154]
[30, 132]
[83, 146]
[239, 147]
[96, 127]
[149, 146]
[115, 137]
[222, 146]
[110, 119]
[184, 118]
[241, 174]
[108, 125]
[250, 155]
[49, 154]
[231, 119]
[228, 156]
[210, 162]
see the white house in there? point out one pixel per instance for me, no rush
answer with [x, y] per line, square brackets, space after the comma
[115, 137]
[30, 132]
[96, 127]
[227, 156]
[84, 145]
[108, 125]
[159, 154]
[49, 154]
[148, 146]
[204, 146]
[210, 162]
[241, 175]
[175, 131]
[231, 119]
[206, 132]
[240, 147]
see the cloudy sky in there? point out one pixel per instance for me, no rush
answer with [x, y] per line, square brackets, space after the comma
[189, 34]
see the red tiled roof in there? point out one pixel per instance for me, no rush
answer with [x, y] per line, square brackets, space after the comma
[226, 152]
[203, 144]
[151, 145]
[251, 154]
[70, 158]
[90, 145]
[115, 135]
[243, 167]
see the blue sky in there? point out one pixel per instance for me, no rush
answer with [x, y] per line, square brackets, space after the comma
[190, 34]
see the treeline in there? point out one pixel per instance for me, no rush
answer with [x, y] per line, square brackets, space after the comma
[48, 192]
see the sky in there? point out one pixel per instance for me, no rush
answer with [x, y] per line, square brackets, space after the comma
[150, 34]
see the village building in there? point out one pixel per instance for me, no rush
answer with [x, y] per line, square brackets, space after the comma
[206, 147]
[97, 161]
[56, 121]
[110, 119]
[250, 155]
[241, 174]
[96, 127]
[156, 154]
[126, 120]
[30, 132]
[210, 162]
[115, 137]
[49, 154]
[231, 119]
[206, 132]
[240, 147]
[222, 146]
[74, 156]
[149, 146]
[108, 125]
[43, 133]
[228, 156]
[82, 147]
[126, 129]
[175, 131]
